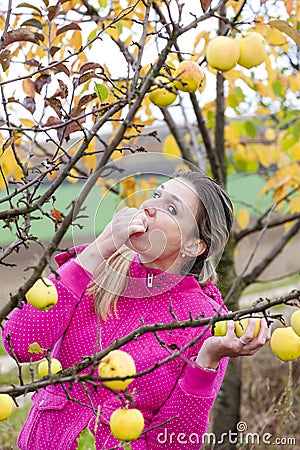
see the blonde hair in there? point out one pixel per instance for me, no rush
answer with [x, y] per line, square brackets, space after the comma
[214, 221]
[110, 281]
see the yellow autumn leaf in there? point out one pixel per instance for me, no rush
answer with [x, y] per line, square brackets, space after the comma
[284, 161]
[267, 155]
[35, 349]
[295, 151]
[243, 218]
[74, 178]
[117, 154]
[235, 5]
[270, 134]
[232, 135]
[27, 123]
[295, 205]
[287, 28]
[171, 148]
[294, 82]
[76, 40]
[90, 161]
[114, 31]
[298, 11]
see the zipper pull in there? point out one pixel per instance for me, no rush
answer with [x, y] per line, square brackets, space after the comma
[149, 280]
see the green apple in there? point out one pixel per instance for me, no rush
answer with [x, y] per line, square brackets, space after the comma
[188, 76]
[219, 328]
[222, 53]
[126, 424]
[252, 50]
[43, 367]
[6, 406]
[241, 326]
[117, 363]
[285, 344]
[295, 322]
[42, 295]
[163, 93]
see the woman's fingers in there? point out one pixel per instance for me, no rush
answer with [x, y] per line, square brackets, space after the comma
[253, 344]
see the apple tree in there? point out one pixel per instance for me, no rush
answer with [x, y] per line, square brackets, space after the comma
[76, 84]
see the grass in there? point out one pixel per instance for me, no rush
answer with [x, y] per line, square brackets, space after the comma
[254, 288]
[2, 350]
[99, 210]
[10, 428]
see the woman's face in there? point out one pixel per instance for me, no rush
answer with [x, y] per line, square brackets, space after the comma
[170, 215]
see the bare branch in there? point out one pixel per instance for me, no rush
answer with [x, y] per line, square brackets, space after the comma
[272, 254]
[182, 144]
[6, 26]
[73, 374]
[259, 225]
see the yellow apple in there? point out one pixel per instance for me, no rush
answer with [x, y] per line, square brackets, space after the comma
[163, 96]
[285, 344]
[222, 53]
[252, 50]
[42, 295]
[219, 328]
[43, 368]
[6, 406]
[241, 326]
[295, 322]
[126, 424]
[188, 76]
[117, 363]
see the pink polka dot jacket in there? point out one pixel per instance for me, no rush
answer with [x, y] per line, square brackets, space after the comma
[175, 398]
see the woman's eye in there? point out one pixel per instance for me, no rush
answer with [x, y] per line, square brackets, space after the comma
[172, 210]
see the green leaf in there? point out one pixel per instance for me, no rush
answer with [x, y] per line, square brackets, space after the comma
[92, 36]
[277, 88]
[245, 166]
[250, 129]
[296, 130]
[127, 446]
[233, 101]
[35, 349]
[86, 440]
[102, 3]
[101, 91]
[288, 141]
[240, 93]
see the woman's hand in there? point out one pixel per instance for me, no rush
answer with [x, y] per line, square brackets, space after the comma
[217, 347]
[124, 224]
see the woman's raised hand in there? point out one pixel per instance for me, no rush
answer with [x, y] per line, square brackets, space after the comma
[124, 224]
[216, 347]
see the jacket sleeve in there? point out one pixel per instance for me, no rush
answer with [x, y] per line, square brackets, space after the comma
[188, 406]
[28, 324]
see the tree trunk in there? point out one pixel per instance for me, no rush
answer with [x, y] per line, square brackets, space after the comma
[226, 411]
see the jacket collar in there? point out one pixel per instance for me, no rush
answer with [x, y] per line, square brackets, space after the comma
[145, 282]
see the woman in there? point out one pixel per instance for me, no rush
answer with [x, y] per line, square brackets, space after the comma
[143, 263]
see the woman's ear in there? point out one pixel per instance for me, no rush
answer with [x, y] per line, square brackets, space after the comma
[194, 247]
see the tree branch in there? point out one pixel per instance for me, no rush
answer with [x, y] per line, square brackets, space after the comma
[273, 253]
[72, 374]
[182, 144]
[257, 226]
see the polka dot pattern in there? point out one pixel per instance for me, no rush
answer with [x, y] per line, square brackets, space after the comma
[177, 393]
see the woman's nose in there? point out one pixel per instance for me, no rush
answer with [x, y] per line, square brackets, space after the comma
[148, 207]
[150, 211]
